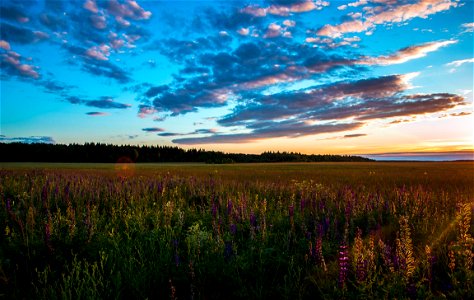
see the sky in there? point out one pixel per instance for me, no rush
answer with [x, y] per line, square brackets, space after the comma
[383, 78]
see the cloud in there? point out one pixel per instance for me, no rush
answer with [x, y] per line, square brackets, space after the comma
[20, 35]
[12, 13]
[97, 114]
[356, 102]
[153, 129]
[12, 63]
[290, 129]
[332, 43]
[458, 63]
[28, 140]
[103, 102]
[101, 52]
[406, 54]
[243, 31]
[145, 110]
[5, 45]
[467, 27]
[284, 8]
[388, 13]
[354, 135]
[91, 6]
[273, 30]
[197, 131]
[128, 10]
[461, 114]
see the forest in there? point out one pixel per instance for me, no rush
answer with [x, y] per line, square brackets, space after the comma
[109, 153]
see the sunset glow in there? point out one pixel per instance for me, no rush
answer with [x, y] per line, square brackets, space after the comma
[388, 79]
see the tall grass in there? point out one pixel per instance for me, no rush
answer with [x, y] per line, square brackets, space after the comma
[243, 231]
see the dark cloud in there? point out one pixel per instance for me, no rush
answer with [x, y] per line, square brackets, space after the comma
[354, 135]
[167, 134]
[270, 130]
[320, 102]
[107, 104]
[96, 114]
[20, 35]
[55, 87]
[155, 90]
[28, 140]
[103, 102]
[98, 67]
[231, 19]
[12, 13]
[153, 129]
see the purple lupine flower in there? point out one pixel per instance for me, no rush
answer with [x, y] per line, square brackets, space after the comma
[44, 195]
[253, 219]
[302, 204]
[229, 207]
[9, 205]
[233, 229]
[343, 260]
[308, 235]
[214, 210]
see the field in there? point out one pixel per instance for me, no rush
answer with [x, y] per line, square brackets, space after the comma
[251, 231]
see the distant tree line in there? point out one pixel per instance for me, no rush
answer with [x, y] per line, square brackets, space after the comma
[108, 153]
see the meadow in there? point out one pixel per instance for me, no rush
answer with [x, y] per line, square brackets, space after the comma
[240, 231]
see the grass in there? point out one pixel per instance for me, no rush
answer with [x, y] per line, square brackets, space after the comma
[302, 230]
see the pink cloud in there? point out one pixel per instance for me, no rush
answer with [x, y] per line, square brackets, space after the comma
[101, 52]
[91, 6]
[388, 14]
[145, 111]
[289, 23]
[269, 80]
[273, 30]
[129, 9]
[13, 60]
[243, 31]
[5, 45]
[284, 10]
[331, 43]
[98, 21]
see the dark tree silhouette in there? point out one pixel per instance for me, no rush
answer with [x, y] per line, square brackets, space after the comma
[108, 153]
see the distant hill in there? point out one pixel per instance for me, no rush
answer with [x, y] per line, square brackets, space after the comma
[108, 153]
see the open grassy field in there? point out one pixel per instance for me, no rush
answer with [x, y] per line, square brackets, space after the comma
[196, 231]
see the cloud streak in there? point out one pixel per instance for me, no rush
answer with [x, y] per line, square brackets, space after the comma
[28, 140]
[390, 12]
[103, 102]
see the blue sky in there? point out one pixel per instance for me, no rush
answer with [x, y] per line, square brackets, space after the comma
[342, 77]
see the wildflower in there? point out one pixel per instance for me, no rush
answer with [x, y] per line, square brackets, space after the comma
[229, 207]
[253, 219]
[452, 260]
[318, 249]
[9, 205]
[214, 210]
[233, 229]
[343, 260]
